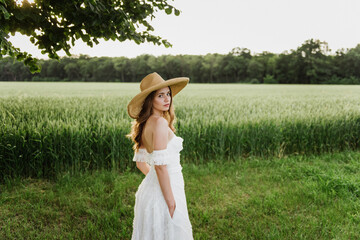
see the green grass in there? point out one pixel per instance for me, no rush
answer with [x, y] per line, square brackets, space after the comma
[52, 128]
[298, 197]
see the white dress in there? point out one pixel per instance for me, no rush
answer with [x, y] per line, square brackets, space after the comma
[152, 219]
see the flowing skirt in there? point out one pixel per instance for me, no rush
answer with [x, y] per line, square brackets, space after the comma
[152, 219]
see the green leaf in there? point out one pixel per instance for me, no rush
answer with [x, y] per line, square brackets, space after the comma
[166, 43]
[91, 7]
[77, 35]
[85, 37]
[20, 57]
[177, 12]
[34, 67]
[5, 12]
[168, 10]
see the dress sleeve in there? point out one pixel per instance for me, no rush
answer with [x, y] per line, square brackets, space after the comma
[159, 157]
[140, 156]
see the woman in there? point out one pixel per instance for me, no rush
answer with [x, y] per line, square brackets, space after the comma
[160, 210]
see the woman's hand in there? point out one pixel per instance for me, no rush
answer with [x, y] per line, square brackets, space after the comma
[172, 207]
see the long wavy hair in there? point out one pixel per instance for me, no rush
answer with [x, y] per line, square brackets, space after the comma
[137, 126]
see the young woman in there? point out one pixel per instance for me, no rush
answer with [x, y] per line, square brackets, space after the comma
[160, 210]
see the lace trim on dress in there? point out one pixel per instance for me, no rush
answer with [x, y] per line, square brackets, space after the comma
[159, 157]
[140, 156]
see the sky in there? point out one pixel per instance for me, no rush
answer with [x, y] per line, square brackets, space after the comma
[218, 26]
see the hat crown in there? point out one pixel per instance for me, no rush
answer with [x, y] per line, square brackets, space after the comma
[151, 80]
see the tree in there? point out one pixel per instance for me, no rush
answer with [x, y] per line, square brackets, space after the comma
[105, 71]
[210, 67]
[312, 61]
[241, 58]
[286, 68]
[352, 62]
[255, 69]
[55, 25]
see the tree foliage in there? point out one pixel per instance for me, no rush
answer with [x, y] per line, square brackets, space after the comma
[55, 25]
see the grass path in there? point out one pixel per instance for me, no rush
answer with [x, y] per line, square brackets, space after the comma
[290, 198]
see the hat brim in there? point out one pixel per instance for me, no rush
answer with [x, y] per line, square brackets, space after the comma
[135, 105]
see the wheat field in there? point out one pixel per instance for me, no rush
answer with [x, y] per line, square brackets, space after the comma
[51, 128]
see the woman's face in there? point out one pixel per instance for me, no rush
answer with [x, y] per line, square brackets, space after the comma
[162, 100]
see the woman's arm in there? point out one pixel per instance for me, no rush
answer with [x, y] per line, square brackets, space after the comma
[143, 167]
[160, 143]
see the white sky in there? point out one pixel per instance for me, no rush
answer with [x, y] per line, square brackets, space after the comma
[217, 26]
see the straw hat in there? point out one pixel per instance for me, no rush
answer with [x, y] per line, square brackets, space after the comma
[153, 82]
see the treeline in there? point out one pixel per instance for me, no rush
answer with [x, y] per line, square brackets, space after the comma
[311, 63]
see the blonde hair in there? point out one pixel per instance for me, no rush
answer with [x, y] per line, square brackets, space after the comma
[137, 126]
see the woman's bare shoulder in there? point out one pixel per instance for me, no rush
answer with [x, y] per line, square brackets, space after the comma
[158, 121]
